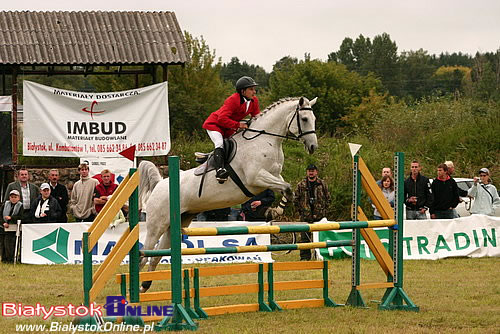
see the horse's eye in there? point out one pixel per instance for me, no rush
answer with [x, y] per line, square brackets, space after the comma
[304, 119]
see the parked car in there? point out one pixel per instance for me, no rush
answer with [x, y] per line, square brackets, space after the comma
[463, 207]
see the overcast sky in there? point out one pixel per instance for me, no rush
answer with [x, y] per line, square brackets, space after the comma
[262, 32]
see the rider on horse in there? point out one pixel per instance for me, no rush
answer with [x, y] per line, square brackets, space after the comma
[224, 122]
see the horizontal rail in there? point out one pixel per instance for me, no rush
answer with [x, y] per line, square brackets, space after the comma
[248, 249]
[233, 230]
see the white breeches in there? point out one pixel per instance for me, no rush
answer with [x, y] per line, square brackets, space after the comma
[216, 137]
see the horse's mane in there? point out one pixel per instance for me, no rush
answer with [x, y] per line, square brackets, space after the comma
[275, 104]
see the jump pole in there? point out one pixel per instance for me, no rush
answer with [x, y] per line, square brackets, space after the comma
[395, 298]
[355, 298]
[181, 320]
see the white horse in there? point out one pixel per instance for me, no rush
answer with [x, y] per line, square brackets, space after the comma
[258, 163]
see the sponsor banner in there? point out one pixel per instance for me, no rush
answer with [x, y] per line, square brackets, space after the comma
[472, 236]
[64, 123]
[62, 244]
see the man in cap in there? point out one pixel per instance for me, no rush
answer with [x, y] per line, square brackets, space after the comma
[28, 192]
[45, 209]
[486, 199]
[311, 200]
[12, 211]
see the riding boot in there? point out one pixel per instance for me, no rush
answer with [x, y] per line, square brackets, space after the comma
[221, 172]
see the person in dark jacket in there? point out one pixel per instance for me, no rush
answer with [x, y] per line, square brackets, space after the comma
[418, 195]
[255, 208]
[45, 209]
[28, 192]
[12, 211]
[445, 192]
[311, 200]
[60, 193]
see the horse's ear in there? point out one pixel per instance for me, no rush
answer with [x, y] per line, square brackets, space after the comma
[313, 101]
[301, 102]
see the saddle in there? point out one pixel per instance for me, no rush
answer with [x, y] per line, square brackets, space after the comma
[207, 159]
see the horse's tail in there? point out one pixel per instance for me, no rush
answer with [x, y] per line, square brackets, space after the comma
[150, 176]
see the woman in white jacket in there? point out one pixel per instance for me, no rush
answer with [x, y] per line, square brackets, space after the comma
[485, 195]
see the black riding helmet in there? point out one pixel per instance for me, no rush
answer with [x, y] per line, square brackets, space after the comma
[245, 82]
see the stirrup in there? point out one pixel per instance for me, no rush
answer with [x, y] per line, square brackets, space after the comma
[221, 175]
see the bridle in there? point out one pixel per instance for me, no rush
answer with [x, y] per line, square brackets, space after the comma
[287, 136]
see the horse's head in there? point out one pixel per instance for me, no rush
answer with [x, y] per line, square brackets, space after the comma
[303, 124]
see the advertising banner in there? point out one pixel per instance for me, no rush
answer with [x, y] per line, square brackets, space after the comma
[472, 236]
[62, 244]
[64, 123]
[119, 167]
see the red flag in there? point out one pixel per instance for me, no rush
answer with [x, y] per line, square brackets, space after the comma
[129, 153]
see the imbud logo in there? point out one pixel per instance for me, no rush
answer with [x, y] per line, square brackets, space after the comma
[118, 306]
[53, 246]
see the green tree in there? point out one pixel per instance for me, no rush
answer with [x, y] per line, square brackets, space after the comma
[234, 70]
[485, 76]
[196, 90]
[337, 89]
[416, 70]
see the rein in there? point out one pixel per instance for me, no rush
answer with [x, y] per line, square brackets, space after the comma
[293, 137]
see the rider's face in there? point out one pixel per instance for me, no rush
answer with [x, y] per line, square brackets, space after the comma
[249, 92]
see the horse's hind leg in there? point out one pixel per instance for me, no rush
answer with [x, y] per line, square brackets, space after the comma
[163, 244]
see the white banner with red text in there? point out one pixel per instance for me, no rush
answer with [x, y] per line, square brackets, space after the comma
[63, 123]
[62, 244]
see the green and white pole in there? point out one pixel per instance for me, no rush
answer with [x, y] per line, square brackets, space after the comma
[395, 298]
[355, 298]
[180, 320]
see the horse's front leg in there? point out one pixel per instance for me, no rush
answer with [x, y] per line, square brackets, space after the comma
[267, 180]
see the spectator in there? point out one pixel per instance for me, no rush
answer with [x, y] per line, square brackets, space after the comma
[28, 192]
[388, 191]
[461, 192]
[103, 190]
[385, 171]
[81, 201]
[119, 219]
[311, 200]
[255, 208]
[60, 193]
[486, 199]
[217, 215]
[417, 194]
[45, 209]
[445, 191]
[12, 211]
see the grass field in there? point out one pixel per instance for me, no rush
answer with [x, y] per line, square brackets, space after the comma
[460, 295]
